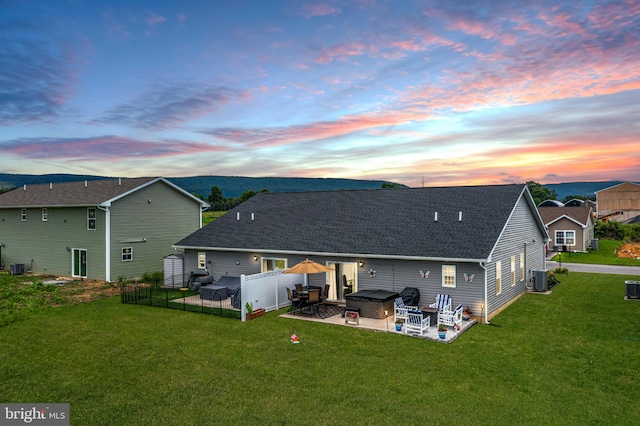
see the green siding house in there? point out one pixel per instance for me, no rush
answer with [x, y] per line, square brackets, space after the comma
[103, 229]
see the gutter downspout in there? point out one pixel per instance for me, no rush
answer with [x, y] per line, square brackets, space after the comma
[107, 241]
[485, 310]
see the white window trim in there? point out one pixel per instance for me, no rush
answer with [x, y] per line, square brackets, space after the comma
[130, 254]
[202, 260]
[444, 268]
[564, 237]
[23, 215]
[513, 271]
[45, 214]
[94, 218]
[262, 261]
[498, 277]
[522, 272]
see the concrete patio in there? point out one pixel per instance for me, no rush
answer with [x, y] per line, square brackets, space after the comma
[385, 325]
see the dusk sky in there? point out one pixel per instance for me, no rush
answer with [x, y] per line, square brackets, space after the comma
[440, 92]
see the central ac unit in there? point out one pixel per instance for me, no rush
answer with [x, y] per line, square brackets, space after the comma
[632, 289]
[540, 281]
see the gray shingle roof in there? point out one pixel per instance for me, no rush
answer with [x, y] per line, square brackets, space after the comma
[386, 222]
[70, 193]
[579, 214]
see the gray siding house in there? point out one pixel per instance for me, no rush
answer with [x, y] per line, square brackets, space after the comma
[102, 229]
[479, 244]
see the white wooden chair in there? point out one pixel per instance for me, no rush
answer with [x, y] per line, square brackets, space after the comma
[452, 318]
[443, 303]
[400, 309]
[416, 323]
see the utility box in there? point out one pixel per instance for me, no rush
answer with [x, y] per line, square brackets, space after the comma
[540, 281]
[632, 289]
[594, 244]
[16, 268]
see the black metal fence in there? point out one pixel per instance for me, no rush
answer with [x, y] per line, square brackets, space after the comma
[175, 298]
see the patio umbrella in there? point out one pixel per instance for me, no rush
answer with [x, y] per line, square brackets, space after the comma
[307, 266]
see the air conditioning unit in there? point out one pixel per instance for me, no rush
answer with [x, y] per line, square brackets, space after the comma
[16, 268]
[540, 281]
[632, 289]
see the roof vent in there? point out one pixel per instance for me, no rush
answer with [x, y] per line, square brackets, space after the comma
[435, 217]
[25, 187]
[253, 216]
[460, 216]
[50, 185]
[238, 216]
[119, 181]
[85, 183]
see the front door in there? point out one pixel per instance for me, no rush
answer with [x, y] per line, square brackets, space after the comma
[343, 279]
[79, 263]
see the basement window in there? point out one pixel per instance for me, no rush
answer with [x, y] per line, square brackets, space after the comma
[127, 254]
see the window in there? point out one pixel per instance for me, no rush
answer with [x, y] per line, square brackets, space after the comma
[448, 276]
[566, 238]
[202, 260]
[498, 277]
[24, 215]
[521, 266]
[91, 219]
[271, 264]
[127, 254]
[45, 214]
[513, 271]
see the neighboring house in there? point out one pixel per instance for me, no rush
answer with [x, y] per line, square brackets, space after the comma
[102, 229]
[620, 203]
[478, 244]
[570, 228]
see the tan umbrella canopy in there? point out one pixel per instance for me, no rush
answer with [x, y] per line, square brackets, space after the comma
[307, 267]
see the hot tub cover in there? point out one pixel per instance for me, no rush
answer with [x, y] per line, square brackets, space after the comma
[372, 295]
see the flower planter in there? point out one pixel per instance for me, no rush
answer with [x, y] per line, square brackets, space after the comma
[398, 327]
[255, 314]
[442, 334]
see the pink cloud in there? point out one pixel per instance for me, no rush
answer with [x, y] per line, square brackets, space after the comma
[341, 51]
[319, 9]
[104, 148]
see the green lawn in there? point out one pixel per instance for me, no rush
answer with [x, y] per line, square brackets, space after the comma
[605, 255]
[211, 216]
[570, 357]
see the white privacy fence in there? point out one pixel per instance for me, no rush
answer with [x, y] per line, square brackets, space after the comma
[267, 290]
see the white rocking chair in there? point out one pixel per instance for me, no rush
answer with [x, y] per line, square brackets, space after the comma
[452, 318]
[416, 323]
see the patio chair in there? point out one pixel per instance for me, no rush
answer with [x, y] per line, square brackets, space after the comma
[298, 288]
[416, 323]
[313, 300]
[452, 318]
[296, 302]
[443, 302]
[324, 295]
[400, 309]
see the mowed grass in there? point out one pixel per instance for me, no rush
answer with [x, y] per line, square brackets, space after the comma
[208, 217]
[570, 357]
[605, 255]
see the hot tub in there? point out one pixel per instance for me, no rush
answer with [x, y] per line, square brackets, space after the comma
[372, 303]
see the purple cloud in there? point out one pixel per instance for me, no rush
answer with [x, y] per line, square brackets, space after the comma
[166, 106]
[102, 148]
[37, 78]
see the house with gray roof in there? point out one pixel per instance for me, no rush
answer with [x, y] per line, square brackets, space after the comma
[570, 228]
[99, 229]
[479, 244]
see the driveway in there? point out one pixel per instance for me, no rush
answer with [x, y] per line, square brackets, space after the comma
[598, 269]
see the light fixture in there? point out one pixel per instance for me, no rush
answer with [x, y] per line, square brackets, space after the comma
[255, 258]
[237, 262]
[361, 264]
[372, 273]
